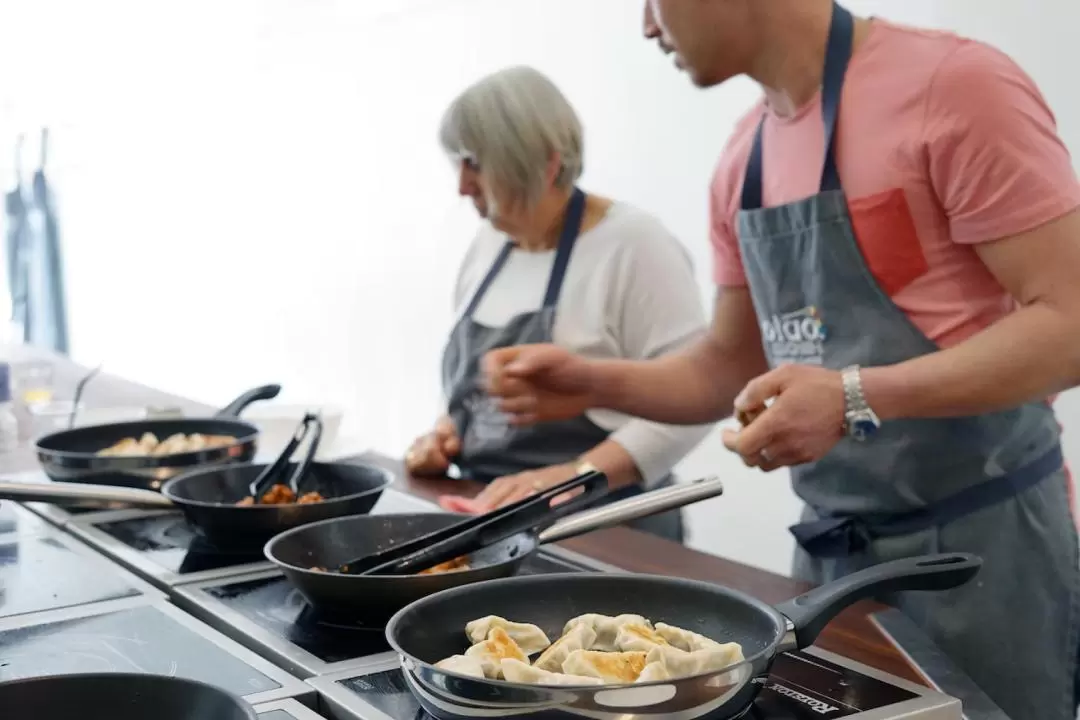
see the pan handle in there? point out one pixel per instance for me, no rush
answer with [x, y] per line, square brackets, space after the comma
[634, 508]
[233, 409]
[810, 612]
[66, 494]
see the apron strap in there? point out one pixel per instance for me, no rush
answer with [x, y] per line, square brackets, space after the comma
[837, 59]
[843, 536]
[496, 266]
[575, 210]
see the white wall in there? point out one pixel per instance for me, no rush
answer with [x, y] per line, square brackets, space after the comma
[252, 190]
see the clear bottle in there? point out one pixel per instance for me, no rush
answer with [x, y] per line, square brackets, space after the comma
[9, 423]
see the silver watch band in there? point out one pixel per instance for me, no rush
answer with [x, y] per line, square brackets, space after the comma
[854, 400]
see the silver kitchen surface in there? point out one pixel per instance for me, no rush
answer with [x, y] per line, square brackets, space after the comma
[138, 635]
[286, 710]
[265, 613]
[15, 519]
[808, 685]
[49, 569]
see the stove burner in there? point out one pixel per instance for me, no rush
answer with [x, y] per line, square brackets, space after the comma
[40, 573]
[175, 545]
[140, 639]
[273, 604]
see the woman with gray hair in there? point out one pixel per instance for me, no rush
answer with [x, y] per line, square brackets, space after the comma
[552, 264]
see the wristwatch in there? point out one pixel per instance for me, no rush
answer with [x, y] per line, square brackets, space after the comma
[860, 421]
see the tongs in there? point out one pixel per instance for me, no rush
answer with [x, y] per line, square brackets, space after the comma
[466, 537]
[311, 423]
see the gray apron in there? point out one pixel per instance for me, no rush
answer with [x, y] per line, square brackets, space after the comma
[993, 485]
[490, 446]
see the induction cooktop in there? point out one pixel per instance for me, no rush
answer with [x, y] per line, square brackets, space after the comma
[163, 548]
[267, 614]
[50, 569]
[805, 685]
[137, 635]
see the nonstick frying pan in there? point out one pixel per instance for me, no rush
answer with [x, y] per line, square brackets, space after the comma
[120, 696]
[71, 455]
[372, 599]
[432, 629]
[207, 498]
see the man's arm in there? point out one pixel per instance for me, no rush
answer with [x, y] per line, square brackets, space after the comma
[696, 385]
[1031, 354]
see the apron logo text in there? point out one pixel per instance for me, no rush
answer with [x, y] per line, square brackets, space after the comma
[795, 337]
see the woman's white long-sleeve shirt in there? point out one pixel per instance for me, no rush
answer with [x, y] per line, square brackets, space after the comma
[629, 293]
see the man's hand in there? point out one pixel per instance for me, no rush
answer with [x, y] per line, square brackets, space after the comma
[802, 424]
[432, 454]
[538, 383]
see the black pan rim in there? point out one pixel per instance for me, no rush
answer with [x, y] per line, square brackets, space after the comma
[388, 480]
[766, 654]
[251, 433]
[120, 676]
[282, 537]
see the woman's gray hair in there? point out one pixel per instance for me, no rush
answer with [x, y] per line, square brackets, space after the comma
[512, 123]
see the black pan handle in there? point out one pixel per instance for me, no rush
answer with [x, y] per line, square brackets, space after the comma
[314, 429]
[812, 611]
[233, 409]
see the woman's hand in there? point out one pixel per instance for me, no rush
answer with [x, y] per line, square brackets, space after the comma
[511, 488]
[539, 383]
[432, 454]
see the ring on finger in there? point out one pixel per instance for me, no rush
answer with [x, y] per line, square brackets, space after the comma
[538, 485]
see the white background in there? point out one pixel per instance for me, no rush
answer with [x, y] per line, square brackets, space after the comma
[251, 189]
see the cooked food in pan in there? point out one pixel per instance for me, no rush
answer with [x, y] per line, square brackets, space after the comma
[279, 494]
[149, 444]
[592, 650]
[458, 563]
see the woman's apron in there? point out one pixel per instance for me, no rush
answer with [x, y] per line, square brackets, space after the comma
[993, 485]
[490, 446]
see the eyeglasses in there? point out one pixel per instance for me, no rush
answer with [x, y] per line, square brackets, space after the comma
[467, 161]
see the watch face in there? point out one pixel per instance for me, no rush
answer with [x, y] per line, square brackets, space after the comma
[862, 425]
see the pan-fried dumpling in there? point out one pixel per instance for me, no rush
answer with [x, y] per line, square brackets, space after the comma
[462, 665]
[611, 667]
[607, 628]
[580, 637]
[679, 663]
[498, 647]
[653, 672]
[684, 639]
[519, 672]
[529, 638]
[642, 638]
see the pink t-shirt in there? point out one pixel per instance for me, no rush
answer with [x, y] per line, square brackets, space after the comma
[942, 143]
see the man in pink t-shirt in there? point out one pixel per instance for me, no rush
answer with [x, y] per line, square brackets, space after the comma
[896, 230]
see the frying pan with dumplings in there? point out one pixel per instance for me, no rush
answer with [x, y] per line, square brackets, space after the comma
[116, 454]
[430, 630]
